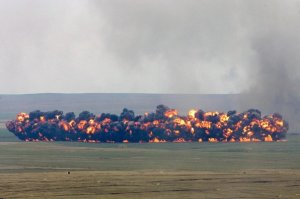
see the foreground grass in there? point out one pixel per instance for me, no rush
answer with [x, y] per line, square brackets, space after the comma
[95, 184]
[164, 170]
[224, 157]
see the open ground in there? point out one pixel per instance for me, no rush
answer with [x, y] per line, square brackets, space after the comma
[150, 170]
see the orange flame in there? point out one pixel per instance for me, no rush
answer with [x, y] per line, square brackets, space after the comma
[192, 113]
[196, 126]
[171, 113]
[156, 140]
[268, 138]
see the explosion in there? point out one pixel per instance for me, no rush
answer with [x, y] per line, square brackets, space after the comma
[163, 125]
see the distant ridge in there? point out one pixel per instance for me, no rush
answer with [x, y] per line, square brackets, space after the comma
[10, 105]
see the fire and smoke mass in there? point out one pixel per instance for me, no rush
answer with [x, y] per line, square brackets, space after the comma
[163, 125]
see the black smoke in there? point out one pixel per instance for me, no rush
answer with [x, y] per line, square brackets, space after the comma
[150, 127]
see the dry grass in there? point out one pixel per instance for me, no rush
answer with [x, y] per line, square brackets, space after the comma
[149, 184]
[170, 170]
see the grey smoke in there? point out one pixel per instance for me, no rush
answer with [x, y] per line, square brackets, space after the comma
[151, 46]
[122, 46]
[275, 76]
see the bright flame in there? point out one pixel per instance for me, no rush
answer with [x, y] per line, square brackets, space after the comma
[42, 119]
[171, 113]
[268, 138]
[212, 140]
[209, 126]
[64, 125]
[21, 117]
[179, 121]
[192, 113]
[156, 140]
[90, 130]
[81, 124]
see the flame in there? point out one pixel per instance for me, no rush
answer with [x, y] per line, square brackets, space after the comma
[91, 122]
[171, 113]
[42, 119]
[255, 140]
[279, 123]
[81, 124]
[180, 140]
[106, 121]
[192, 113]
[90, 130]
[207, 126]
[179, 121]
[268, 138]
[212, 140]
[72, 123]
[21, 117]
[156, 140]
[207, 114]
[204, 124]
[224, 118]
[155, 122]
[227, 132]
[192, 130]
[244, 139]
[66, 126]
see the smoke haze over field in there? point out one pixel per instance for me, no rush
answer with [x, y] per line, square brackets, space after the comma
[150, 46]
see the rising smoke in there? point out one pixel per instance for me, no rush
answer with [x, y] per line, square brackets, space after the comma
[151, 46]
[275, 77]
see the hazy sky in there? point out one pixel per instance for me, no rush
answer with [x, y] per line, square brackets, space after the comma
[149, 46]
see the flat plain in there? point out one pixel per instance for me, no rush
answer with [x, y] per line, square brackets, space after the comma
[149, 170]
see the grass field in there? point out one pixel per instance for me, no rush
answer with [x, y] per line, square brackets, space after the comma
[163, 170]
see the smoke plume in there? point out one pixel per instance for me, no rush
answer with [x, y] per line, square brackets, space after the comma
[274, 78]
[153, 46]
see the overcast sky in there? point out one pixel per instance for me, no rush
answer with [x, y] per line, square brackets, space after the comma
[147, 46]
